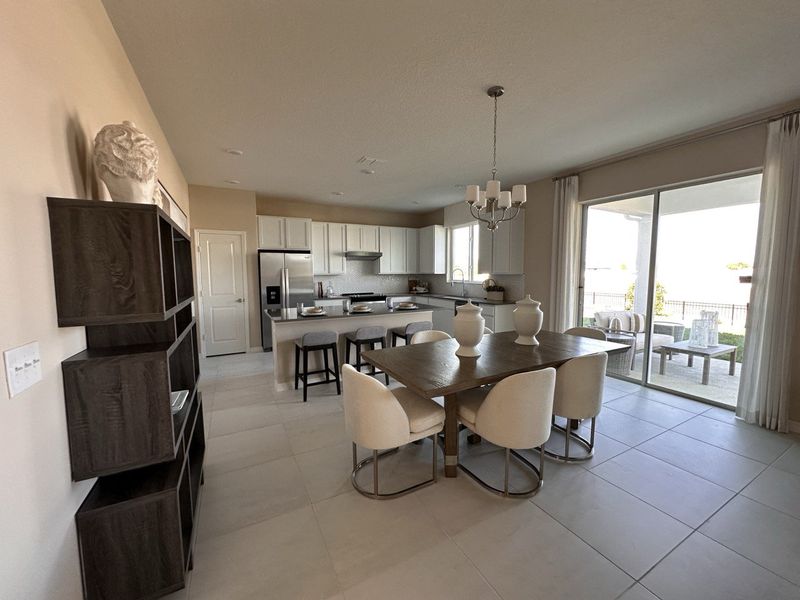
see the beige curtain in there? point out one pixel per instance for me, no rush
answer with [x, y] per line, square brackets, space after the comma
[566, 256]
[769, 352]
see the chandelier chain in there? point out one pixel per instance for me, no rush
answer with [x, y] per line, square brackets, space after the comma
[494, 142]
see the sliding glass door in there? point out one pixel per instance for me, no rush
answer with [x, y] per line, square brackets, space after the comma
[668, 273]
[616, 275]
[704, 257]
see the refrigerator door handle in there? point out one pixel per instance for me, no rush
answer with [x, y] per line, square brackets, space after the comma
[284, 288]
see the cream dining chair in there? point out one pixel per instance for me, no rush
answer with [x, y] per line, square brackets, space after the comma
[514, 414]
[578, 395]
[383, 420]
[587, 332]
[431, 335]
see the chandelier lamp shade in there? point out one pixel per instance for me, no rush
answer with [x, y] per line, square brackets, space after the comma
[493, 205]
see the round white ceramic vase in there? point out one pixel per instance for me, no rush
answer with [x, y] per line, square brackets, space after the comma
[468, 329]
[528, 319]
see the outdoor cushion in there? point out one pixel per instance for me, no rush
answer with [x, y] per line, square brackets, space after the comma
[638, 322]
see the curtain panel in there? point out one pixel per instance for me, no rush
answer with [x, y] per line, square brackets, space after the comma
[566, 256]
[770, 351]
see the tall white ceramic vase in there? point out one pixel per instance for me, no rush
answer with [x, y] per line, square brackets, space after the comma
[468, 329]
[528, 318]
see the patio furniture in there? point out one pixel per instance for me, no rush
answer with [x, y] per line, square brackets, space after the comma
[603, 320]
[706, 353]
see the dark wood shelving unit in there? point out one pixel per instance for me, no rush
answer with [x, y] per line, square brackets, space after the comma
[124, 271]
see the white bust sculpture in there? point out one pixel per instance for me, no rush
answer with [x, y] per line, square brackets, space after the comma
[126, 160]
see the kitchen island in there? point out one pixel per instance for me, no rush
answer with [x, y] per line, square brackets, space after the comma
[289, 326]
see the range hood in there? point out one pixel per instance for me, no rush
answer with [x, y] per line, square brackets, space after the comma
[362, 255]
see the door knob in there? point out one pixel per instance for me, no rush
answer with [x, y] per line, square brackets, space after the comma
[240, 299]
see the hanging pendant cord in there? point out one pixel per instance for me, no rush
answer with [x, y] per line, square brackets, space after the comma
[494, 142]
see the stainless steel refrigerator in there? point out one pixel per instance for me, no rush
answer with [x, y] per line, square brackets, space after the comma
[284, 278]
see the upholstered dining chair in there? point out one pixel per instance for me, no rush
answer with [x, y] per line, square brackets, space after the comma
[432, 335]
[578, 395]
[514, 414]
[587, 332]
[383, 420]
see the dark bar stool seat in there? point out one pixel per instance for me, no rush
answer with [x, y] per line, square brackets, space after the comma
[311, 342]
[365, 336]
[409, 330]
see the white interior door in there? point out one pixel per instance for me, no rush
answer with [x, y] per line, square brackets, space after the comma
[222, 292]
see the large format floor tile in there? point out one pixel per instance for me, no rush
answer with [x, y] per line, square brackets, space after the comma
[441, 571]
[242, 418]
[766, 536]
[789, 460]
[245, 449]
[626, 530]
[284, 557]
[316, 432]
[246, 496]
[604, 446]
[712, 463]
[657, 413]
[687, 404]
[747, 440]
[702, 569]
[678, 493]
[638, 592]
[526, 554]
[778, 489]
[365, 537]
[625, 428]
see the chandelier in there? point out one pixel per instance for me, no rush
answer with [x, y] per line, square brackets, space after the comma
[494, 206]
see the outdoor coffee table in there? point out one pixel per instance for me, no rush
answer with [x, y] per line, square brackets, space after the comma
[706, 353]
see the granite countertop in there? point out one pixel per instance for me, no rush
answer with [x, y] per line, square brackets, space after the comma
[475, 300]
[285, 315]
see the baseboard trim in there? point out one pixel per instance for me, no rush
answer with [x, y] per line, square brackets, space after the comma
[256, 349]
[794, 426]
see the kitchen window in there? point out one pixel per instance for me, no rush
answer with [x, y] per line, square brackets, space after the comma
[463, 253]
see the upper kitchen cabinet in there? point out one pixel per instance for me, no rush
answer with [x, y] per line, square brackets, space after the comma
[328, 248]
[362, 238]
[432, 258]
[284, 233]
[412, 251]
[503, 252]
[393, 247]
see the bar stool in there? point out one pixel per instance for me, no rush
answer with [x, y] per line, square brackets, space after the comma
[311, 342]
[405, 333]
[383, 420]
[514, 414]
[578, 395]
[365, 336]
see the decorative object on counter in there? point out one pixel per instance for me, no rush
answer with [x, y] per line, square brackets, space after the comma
[312, 311]
[406, 306]
[360, 308]
[699, 335]
[712, 318]
[528, 319]
[493, 206]
[319, 290]
[495, 292]
[126, 161]
[468, 327]
[329, 290]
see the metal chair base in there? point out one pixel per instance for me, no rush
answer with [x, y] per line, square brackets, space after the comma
[570, 435]
[376, 494]
[505, 492]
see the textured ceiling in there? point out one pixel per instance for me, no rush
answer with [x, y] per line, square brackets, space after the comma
[306, 87]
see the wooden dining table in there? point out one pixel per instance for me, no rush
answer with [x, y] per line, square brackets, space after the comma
[433, 369]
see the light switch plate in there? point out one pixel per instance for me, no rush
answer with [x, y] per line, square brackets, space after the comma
[23, 367]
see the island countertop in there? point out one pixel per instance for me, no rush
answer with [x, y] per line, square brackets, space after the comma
[287, 315]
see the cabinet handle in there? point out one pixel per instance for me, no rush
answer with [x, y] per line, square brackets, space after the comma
[240, 299]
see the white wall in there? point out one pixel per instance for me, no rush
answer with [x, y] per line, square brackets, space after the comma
[64, 75]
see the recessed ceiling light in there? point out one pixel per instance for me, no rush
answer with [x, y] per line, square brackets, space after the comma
[416, 202]
[234, 151]
[368, 171]
[233, 181]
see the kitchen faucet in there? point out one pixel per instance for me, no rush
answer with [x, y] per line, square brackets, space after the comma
[463, 282]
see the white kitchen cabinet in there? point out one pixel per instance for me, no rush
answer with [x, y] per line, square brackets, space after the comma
[327, 248]
[432, 250]
[297, 233]
[284, 233]
[503, 252]
[271, 233]
[412, 251]
[393, 248]
[362, 238]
